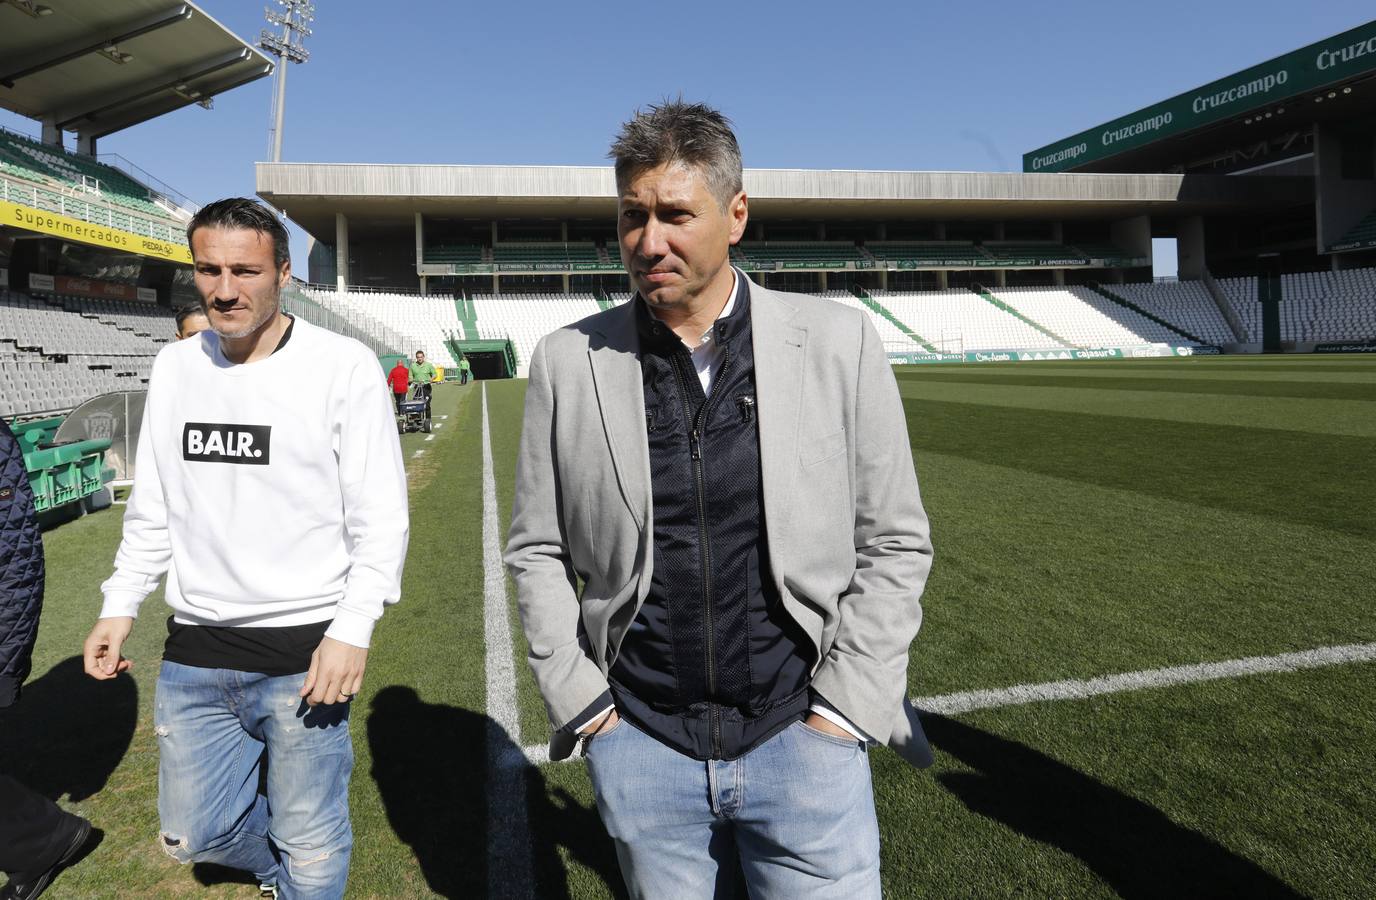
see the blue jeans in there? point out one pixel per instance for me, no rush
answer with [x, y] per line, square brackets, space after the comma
[212, 727]
[797, 813]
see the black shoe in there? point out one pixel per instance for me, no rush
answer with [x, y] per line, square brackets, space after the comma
[28, 885]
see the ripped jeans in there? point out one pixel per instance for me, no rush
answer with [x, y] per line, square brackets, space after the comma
[212, 726]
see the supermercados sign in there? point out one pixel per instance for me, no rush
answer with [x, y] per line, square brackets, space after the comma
[89, 233]
[1319, 65]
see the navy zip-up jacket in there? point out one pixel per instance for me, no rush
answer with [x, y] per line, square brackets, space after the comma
[21, 569]
[713, 665]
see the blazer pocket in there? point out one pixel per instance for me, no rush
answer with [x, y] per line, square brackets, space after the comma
[823, 449]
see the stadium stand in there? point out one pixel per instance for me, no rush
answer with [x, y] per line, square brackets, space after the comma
[1363, 234]
[1186, 304]
[960, 321]
[797, 254]
[1101, 251]
[538, 255]
[1241, 294]
[928, 253]
[32, 160]
[1038, 254]
[1086, 318]
[389, 323]
[895, 339]
[525, 318]
[108, 327]
[55, 355]
[464, 254]
[1328, 306]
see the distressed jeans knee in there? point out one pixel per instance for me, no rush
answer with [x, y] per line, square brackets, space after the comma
[177, 848]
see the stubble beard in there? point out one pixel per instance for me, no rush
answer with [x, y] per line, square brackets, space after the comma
[269, 311]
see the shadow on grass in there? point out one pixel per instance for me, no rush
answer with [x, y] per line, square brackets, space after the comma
[1134, 847]
[68, 732]
[430, 766]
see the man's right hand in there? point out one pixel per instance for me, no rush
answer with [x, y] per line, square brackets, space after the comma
[101, 651]
[598, 726]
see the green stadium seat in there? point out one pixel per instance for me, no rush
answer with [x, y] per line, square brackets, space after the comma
[798, 254]
[23, 157]
[927, 253]
[1038, 254]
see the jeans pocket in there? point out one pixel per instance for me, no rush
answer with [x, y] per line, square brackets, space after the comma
[603, 735]
[834, 739]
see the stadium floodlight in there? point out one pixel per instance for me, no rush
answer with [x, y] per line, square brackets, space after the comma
[295, 24]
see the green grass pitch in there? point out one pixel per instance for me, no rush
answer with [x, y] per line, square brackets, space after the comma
[1089, 519]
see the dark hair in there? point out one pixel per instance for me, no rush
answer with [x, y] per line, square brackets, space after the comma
[241, 212]
[187, 312]
[420, 351]
[677, 132]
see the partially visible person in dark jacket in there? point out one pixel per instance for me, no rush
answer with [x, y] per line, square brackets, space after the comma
[37, 839]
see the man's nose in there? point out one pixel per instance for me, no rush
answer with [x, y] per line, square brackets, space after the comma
[226, 287]
[654, 241]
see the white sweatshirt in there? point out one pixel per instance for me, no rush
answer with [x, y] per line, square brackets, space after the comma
[273, 492]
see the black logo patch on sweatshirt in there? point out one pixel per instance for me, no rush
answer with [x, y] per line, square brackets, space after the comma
[244, 445]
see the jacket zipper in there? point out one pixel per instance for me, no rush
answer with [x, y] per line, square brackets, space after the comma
[704, 539]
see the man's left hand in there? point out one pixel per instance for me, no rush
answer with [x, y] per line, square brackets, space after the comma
[336, 672]
[827, 726]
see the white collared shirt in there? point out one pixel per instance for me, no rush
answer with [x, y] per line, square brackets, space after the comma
[706, 353]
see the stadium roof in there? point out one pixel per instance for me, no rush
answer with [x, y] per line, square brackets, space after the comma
[311, 193]
[1331, 79]
[98, 66]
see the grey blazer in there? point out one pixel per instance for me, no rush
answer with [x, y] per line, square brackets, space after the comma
[848, 539]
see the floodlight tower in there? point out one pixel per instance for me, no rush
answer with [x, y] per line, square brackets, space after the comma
[295, 24]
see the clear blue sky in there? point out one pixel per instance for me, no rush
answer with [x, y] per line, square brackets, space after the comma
[859, 85]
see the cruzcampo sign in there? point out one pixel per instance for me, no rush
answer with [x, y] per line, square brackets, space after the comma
[1335, 59]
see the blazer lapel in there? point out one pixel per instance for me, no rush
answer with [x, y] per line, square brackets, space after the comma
[780, 352]
[621, 400]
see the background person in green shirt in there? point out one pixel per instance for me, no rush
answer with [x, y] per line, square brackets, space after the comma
[423, 372]
[465, 369]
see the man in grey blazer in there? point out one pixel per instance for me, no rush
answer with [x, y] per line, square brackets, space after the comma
[726, 470]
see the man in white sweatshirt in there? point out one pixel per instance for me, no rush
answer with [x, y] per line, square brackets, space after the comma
[270, 489]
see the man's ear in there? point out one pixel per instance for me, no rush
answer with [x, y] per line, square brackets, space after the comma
[739, 211]
[284, 274]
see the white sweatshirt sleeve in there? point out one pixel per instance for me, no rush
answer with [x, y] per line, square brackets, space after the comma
[145, 551]
[373, 483]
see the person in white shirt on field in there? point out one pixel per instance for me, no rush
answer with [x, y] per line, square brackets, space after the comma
[270, 489]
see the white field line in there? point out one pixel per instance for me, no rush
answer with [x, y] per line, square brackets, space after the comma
[968, 701]
[417, 454]
[1049, 691]
[508, 835]
[439, 424]
[444, 417]
[429, 438]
